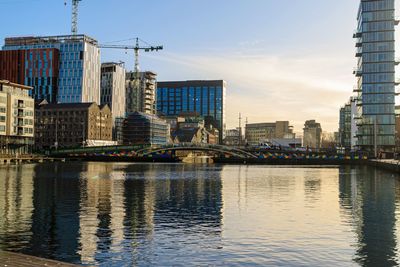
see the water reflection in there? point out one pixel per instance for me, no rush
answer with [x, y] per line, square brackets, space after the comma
[368, 197]
[109, 214]
[175, 214]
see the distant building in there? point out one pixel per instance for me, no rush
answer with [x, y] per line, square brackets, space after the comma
[206, 98]
[113, 91]
[72, 125]
[347, 124]
[62, 69]
[192, 129]
[260, 133]
[141, 128]
[141, 98]
[232, 137]
[312, 134]
[375, 73]
[16, 119]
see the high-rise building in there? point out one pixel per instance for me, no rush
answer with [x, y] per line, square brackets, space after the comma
[206, 98]
[113, 91]
[16, 118]
[38, 68]
[141, 97]
[375, 72]
[76, 77]
[312, 134]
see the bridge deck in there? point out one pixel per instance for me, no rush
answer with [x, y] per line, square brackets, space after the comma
[11, 259]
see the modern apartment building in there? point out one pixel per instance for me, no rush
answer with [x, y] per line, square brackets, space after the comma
[375, 72]
[113, 91]
[260, 133]
[72, 125]
[16, 118]
[312, 133]
[62, 69]
[141, 97]
[206, 98]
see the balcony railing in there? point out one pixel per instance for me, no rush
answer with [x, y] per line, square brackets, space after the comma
[357, 34]
[357, 72]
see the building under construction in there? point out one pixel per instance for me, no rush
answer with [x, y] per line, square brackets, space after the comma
[141, 93]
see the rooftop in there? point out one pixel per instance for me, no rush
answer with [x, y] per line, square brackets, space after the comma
[5, 82]
[31, 40]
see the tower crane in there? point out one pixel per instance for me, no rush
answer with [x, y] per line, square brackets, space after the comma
[74, 17]
[136, 48]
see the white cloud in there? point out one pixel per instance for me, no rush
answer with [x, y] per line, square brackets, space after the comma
[271, 87]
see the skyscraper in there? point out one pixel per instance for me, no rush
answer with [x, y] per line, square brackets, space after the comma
[206, 98]
[375, 72]
[75, 79]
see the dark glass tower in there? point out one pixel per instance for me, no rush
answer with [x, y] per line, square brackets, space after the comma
[375, 74]
[206, 98]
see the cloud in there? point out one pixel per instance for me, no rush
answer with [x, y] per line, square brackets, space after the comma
[264, 87]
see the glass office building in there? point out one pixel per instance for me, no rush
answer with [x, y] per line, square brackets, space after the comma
[205, 98]
[78, 77]
[375, 72]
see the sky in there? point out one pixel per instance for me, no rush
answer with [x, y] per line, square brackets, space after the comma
[282, 59]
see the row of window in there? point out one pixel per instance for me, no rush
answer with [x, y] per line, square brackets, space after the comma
[378, 57]
[378, 67]
[378, 78]
[377, 109]
[378, 26]
[378, 15]
[378, 88]
[377, 98]
[374, 5]
[387, 46]
[378, 36]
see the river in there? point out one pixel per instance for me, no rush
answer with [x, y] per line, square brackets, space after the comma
[113, 214]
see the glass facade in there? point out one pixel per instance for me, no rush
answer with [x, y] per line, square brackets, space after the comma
[78, 70]
[375, 74]
[206, 98]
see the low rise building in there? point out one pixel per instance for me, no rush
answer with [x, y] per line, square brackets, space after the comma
[16, 119]
[139, 128]
[312, 134]
[232, 137]
[260, 133]
[72, 125]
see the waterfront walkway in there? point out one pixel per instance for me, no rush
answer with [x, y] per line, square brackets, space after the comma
[11, 259]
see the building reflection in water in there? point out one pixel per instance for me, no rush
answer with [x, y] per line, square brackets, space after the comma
[368, 199]
[169, 206]
[94, 213]
[55, 224]
[16, 205]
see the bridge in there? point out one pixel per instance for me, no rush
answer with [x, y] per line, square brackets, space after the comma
[147, 150]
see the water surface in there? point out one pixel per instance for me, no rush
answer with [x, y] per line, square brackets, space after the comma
[199, 215]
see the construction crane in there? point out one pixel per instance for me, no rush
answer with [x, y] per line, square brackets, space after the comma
[136, 48]
[74, 17]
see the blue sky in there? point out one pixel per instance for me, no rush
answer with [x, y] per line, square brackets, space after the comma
[282, 59]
